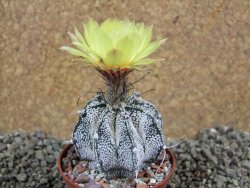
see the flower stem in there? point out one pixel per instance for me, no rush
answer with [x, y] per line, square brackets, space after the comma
[117, 85]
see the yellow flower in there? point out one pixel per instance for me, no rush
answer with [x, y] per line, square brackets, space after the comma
[114, 44]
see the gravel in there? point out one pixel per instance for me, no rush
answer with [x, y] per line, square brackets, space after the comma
[23, 160]
[217, 157]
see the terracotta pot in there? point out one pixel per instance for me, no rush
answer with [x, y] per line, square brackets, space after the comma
[72, 184]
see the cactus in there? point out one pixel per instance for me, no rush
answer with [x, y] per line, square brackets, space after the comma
[117, 133]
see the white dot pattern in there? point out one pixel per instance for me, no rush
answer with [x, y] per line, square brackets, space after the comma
[119, 139]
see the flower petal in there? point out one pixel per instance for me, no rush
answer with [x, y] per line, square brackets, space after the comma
[125, 45]
[136, 39]
[80, 37]
[147, 35]
[72, 37]
[77, 53]
[102, 43]
[145, 61]
[113, 58]
[89, 28]
[149, 49]
[114, 44]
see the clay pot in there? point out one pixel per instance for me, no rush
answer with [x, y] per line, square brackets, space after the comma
[72, 184]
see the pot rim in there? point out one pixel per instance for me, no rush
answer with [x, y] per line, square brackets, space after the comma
[70, 182]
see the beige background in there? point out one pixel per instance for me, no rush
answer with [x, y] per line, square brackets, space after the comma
[204, 81]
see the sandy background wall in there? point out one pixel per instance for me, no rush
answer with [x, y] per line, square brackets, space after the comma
[204, 81]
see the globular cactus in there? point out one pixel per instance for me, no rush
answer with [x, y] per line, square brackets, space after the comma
[121, 138]
[117, 133]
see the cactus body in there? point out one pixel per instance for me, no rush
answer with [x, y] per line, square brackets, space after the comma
[118, 140]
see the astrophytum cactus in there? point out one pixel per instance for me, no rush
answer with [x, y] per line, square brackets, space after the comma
[117, 133]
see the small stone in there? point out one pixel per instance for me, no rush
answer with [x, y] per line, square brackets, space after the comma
[220, 178]
[40, 143]
[39, 154]
[43, 181]
[24, 134]
[164, 164]
[243, 172]
[81, 185]
[35, 164]
[146, 180]
[230, 172]
[74, 162]
[92, 185]
[30, 152]
[149, 174]
[43, 163]
[55, 173]
[47, 142]
[72, 176]
[21, 177]
[219, 184]
[40, 134]
[3, 170]
[207, 153]
[34, 140]
[235, 182]
[82, 179]
[141, 173]
[69, 168]
[187, 164]
[86, 172]
[103, 183]
[154, 166]
[32, 184]
[152, 181]
[204, 181]
[18, 139]
[99, 177]
[245, 163]
[10, 164]
[80, 169]
[234, 146]
[50, 158]
[49, 149]
[56, 154]
[166, 169]
[248, 155]
[2, 156]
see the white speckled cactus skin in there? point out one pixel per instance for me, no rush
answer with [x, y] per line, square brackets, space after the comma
[118, 140]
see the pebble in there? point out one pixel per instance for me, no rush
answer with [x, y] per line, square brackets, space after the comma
[80, 169]
[21, 177]
[22, 161]
[152, 181]
[218, 158]
[82, 179]
[246, 163]
[220, 178]
[92, 185]
[44, 181]
[248, 154]
[39, 154]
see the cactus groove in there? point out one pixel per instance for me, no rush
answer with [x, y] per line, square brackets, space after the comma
[120, 139]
